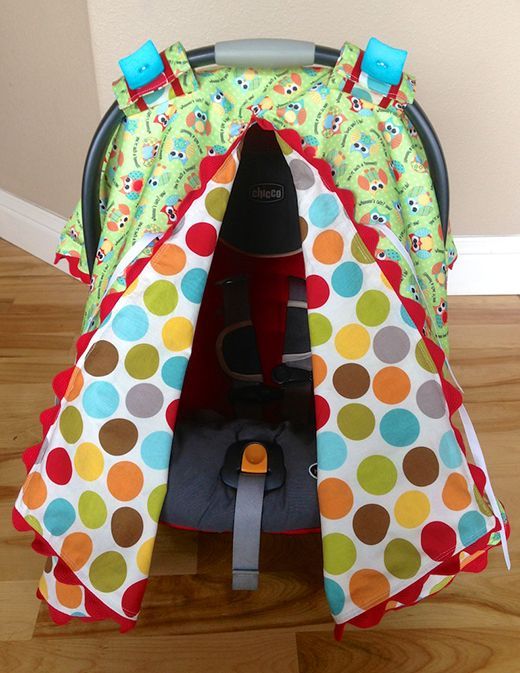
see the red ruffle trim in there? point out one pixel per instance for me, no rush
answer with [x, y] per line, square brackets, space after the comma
[74, 270]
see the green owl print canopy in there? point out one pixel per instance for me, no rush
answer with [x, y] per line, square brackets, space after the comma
[403, 505]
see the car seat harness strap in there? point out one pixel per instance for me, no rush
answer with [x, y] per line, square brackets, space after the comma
[248, 517]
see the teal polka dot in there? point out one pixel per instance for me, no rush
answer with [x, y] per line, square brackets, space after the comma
[332, 450]
[399, 427]
[173, 371]
[472, 526]
[324, 210]
[450, 452]
[335, 596]
[406, 317]
[193, 284]
[59, 516]
[131, 323]
[100, 399]
[347, 279]
[155, 450]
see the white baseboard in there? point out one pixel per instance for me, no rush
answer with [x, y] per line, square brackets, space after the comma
[30, 227]
[486, 264]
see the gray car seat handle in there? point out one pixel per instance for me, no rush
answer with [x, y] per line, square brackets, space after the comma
[265, 53]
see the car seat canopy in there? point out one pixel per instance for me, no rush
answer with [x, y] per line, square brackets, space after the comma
[315, 286]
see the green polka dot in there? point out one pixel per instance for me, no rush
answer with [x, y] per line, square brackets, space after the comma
[161, 297]
[360, 251]
[423, 357]
[92, 509]
[71, 424]
[286, 149]
[356, 421]
[402, 559]
[339, 553]
[440, 585]
[216, 202]
[34, 523]
[320, 329]
[108, 571]
[142, 361]
[155, 501]
[377, 475]
[482, 504]
[373, 307]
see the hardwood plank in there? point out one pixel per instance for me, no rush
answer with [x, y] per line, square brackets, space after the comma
[411, 651]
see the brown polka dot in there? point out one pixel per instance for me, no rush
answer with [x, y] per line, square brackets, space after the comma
[118, 436]
[127, 526]
[304, 228]
[101, 359]
[48, 564]
[371, 523]
[421, 466]
[351, 380]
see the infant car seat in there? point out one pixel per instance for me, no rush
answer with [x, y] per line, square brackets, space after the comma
[265, 337]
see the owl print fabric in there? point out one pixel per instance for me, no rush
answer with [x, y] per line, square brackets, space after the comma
[357, 125]
[402, 510]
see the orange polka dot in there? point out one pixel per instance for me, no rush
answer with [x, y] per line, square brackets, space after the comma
[391, 605]
[69, 595]
[335, 498]
[42, 586]
[34, 491]
[328, 247]
[455, 493]
[368, 588]
[125, 480]
[391, 385]
[226, 172]
[169, 260]
[75, 385]
[319, 369]
[76, 550]
[386, 281]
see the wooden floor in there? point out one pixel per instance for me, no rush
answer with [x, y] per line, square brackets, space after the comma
[191, 621]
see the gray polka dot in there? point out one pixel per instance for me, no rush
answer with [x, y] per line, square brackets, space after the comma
[430, 399]
[302, 175]
[391, 344]
[144, 400]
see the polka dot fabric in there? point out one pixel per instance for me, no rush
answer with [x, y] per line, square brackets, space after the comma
[395, 492]
[96, 492]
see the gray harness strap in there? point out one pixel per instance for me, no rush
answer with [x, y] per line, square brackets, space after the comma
[240, 360]
[246, 530]
[296, 360]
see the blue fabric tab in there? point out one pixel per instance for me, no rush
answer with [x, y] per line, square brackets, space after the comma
[142, 66]
[382, 62]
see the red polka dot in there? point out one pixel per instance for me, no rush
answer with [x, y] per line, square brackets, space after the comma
[317, 291]
[131, 601]
[171, 413]
[438, 540]
[58, 466]
[322, 410]
[201, 238]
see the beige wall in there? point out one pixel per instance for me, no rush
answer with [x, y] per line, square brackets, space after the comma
[463, 52]
[48, 101]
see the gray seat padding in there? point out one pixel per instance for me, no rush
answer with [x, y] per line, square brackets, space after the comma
[198, 498]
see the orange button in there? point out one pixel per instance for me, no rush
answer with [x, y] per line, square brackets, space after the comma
[254, 459]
